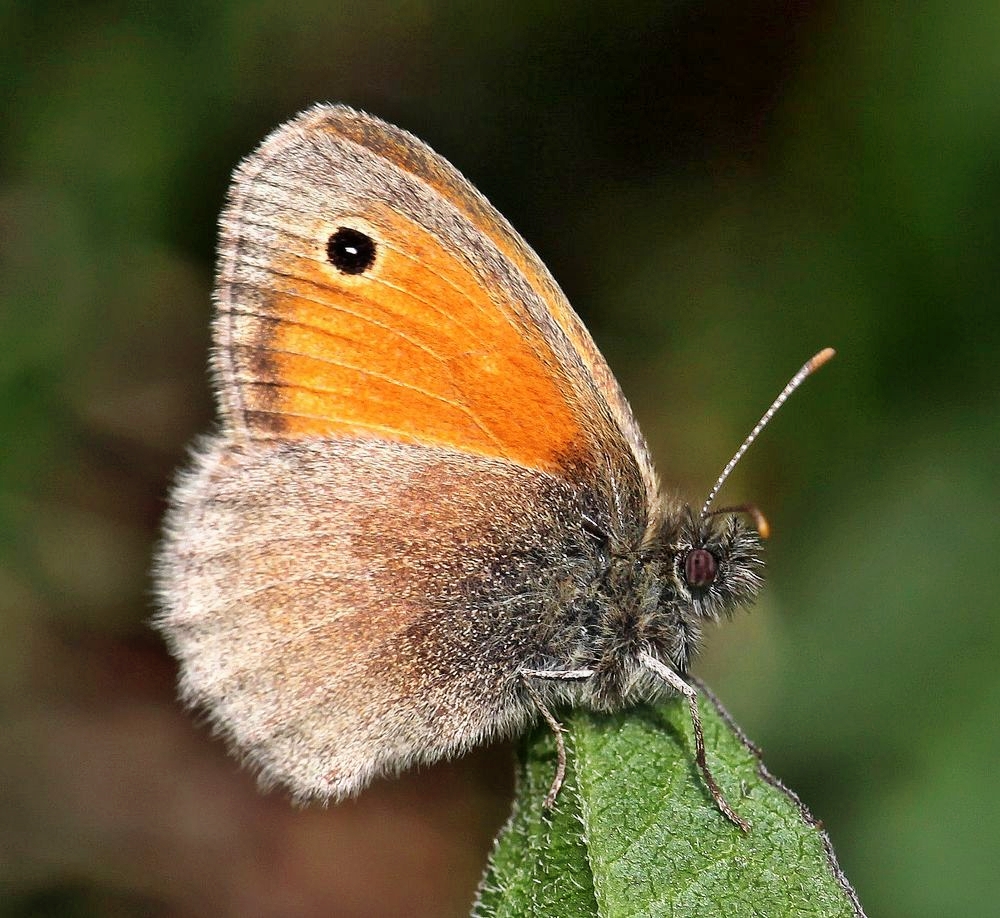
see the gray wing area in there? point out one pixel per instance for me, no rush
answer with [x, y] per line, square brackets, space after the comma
[345, 608]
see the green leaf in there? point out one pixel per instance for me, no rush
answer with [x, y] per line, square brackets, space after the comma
[635, 832]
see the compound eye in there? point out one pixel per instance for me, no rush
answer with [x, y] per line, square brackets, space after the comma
[700, 567]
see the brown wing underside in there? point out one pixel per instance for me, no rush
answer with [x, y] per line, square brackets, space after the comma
[347, 608]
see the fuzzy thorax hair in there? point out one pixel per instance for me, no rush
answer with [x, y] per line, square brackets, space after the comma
[638, 598]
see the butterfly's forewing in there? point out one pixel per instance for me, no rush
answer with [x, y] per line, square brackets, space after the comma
[456, 335]
[379, 539]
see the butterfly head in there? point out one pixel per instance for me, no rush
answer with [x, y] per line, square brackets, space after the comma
[716, 554]
[714, 563]
[708, 564]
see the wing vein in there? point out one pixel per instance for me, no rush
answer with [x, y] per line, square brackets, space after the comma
[410, 387]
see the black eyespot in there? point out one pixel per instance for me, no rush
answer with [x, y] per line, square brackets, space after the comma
[350, 251]
[700, 567]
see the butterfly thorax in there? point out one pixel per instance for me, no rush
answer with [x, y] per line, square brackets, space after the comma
[653, 595]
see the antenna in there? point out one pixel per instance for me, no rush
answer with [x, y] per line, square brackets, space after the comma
[808, 368]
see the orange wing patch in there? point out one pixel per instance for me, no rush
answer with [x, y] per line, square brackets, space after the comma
[412, 156]
[416, 349]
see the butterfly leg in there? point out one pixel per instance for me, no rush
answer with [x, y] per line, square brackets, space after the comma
[572, 675]
[681, 687]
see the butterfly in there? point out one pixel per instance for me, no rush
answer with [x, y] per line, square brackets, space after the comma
[428, 515]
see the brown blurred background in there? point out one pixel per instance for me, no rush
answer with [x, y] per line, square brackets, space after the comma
[722, 189]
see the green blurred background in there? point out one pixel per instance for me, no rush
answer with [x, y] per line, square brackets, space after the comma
[721, 189]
